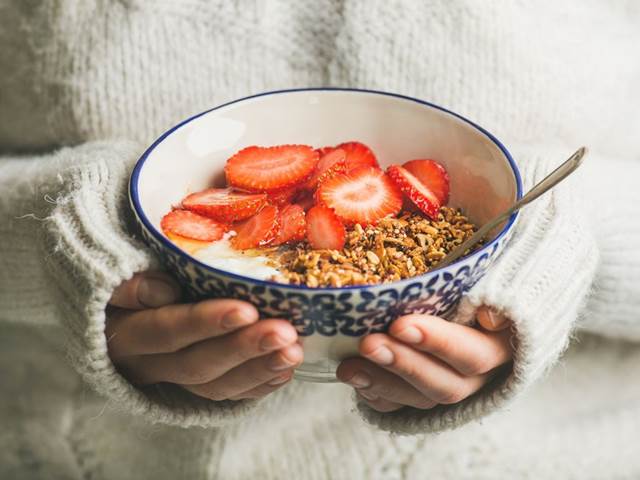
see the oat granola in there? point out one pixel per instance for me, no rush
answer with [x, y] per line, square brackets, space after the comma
[394, 249]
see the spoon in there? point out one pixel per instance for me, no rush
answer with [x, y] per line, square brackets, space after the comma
[550, 181]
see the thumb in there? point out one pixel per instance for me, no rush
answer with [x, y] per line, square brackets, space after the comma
[491, 320]
[146, 290]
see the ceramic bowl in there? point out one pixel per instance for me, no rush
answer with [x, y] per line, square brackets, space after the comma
[331, 321]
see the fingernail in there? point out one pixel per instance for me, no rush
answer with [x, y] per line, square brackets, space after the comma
[369, 395]
[272, 341]
[492, 317]
[382, 355]
[279, 380]
[235, 318]
[153, 292]
[360, 380]
[279, 362]
[410, 335]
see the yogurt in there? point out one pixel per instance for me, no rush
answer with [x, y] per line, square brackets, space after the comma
[221, 255]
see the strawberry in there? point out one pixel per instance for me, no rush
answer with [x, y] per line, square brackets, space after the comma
[432, 175]
[292, 225]
[224, 204]
[364, 195]
[282, 197]
[191, 225]
[270, 168]
[324, 229]
[333, 162]
[358, 155]
[258, 230]
[417, 192]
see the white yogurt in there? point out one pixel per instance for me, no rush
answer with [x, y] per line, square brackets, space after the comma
[221, 255]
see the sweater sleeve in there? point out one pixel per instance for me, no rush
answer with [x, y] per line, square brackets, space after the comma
[65, 244]
[540, 282]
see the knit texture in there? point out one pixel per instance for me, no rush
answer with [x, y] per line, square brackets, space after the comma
[81, 73]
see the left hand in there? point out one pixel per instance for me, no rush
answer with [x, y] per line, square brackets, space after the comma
[424, 361]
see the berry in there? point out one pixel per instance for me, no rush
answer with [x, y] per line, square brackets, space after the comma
[269, 169]
[362, 196]
[332, 163]
[282, 197]
[432, 175]
[358, 155]
[324, 229]
[417, 192]
[225, 204]
[292, 225]
[191, 225]
[258, 230]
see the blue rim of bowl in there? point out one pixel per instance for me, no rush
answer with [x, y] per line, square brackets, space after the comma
[134, 197]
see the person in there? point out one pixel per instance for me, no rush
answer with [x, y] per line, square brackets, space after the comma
[103, 368]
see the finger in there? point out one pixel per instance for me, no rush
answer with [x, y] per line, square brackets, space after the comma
[205, 361]
[276, 367]
[374, 382]
[379, 404]
[491, 320]
[469, 350]
[430, 376]
[146, 290]
[266, 388]
[171, 328]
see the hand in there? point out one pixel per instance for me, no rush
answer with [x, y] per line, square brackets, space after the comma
[215, 348]
[424, 361]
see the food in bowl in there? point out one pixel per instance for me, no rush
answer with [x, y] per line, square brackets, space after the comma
[326, 217]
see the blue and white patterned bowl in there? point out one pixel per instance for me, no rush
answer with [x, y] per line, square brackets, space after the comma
[331, 321]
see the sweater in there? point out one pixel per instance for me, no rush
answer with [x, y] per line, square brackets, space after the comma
[87, 85]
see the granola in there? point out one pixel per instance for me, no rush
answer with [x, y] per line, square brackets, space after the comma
[393, 249]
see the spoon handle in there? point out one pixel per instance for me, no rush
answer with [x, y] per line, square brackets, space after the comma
[550, 181]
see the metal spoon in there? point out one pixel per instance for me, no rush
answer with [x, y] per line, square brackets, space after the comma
[550, 181]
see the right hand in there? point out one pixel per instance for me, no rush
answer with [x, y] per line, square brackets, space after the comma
[216, 349]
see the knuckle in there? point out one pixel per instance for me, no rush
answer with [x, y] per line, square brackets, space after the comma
[165, 329]
[452, 396]
[191, 373]
[477, 366]
[440, 344]
[216, 394]
[425, 404]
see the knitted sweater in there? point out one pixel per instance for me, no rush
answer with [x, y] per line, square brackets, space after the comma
[102, 78]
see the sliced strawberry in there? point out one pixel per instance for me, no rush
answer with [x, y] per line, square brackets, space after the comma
[432, 175]
[270, 168]
[282, 197]
[358, 155]
[362, 196]
[324, 229]
[225, 204]
[191, 225]
[332, 163]
[417, 192]
[258, 230]
[292, 225]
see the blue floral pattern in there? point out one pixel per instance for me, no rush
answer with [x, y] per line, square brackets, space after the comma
[352, 312]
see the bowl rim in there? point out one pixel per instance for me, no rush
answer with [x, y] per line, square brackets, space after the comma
[135, 201]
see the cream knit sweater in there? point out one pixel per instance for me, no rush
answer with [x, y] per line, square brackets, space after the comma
[102, 78]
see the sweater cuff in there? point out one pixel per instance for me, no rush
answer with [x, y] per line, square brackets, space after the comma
[90, 251]
[540, 282]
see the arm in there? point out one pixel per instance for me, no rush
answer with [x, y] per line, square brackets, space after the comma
[66, 249]
[540, 283]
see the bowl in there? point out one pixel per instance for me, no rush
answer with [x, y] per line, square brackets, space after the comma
[330, 321]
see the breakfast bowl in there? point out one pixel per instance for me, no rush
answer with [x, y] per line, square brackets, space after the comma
[330, 321]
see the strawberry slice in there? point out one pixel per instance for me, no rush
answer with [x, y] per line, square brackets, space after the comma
[191, 225]
[432, 175]
[417, 192]
[332, 163]
[358, 155]
[282, 197]
[362, 196]
[324, 229]
[225, 204]
[270, 168]
[258, 230]
[292, 225]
